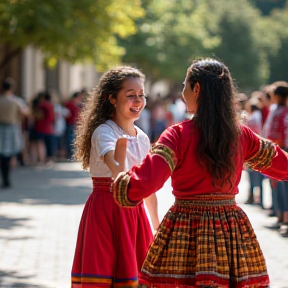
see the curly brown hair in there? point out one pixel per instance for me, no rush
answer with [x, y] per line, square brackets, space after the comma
[216, 118]
[97, 109]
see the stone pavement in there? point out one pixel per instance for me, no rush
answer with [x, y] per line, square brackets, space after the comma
[39, 219]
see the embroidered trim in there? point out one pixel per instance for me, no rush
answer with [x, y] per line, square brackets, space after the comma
[119, 189]
[96, 280]
[166, 153]
[263, 159]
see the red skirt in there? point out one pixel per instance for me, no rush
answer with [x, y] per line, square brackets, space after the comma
[112, 241]
[207, 241]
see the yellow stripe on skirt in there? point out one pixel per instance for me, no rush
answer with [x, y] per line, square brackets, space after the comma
[206, 241]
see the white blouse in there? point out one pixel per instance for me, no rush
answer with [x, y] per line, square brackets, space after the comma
[104, 139]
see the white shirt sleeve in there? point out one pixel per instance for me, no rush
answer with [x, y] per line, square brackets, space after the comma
[103, 140]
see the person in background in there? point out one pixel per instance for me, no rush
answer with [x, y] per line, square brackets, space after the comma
[159, 120]
[74, 106]
[264, 97]
[254, 122]
[144, 121]
[241, 100]
[60, 115]
[112, 241]
[178, 109]
[44, 126]
[11, 139]
[276, 129]
[205, 239]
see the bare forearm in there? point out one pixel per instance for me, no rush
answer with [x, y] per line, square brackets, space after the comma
[152, 206]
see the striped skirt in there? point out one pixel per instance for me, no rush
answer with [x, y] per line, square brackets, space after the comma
[207, 241]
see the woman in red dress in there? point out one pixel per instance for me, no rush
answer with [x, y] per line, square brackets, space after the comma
[205, 239]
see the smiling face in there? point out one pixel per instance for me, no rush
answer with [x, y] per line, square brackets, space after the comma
[130, 99]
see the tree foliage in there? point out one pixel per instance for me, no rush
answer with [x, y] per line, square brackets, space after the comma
[238, 46]
[162, 43]
[174, 32]
[74, 30]
[278, 59]
[170, 34]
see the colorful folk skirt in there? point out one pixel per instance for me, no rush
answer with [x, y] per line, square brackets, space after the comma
[207, 241]
[112, 241]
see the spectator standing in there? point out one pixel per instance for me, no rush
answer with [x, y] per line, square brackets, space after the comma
[74, 106]
[144, 121]
[158, 119]
[11, 138]
[276, 129]
[44, 125]
[60, 114]
[254, 122]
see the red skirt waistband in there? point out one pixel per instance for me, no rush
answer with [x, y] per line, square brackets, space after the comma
[102, 184]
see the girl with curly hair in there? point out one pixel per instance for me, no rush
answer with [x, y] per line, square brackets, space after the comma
[205, 239]
[112, 241]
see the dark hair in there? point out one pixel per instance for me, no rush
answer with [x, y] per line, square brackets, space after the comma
[76, 94]
[8, 84]
[254, 107]
[47, 96]
[97, 108]
[281, 91]
[216, 118]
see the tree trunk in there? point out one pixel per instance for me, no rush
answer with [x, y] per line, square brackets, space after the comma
[8, 56]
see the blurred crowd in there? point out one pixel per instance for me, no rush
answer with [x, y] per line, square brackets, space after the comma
[36, 133]
[266, 113]
[43, 131]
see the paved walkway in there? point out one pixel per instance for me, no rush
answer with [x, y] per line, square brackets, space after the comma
[39, 220]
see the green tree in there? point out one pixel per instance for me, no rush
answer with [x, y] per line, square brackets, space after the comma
[74, 30]
[239, 47]
[278, 58]
[170, 34]
[266, 6]
[174, 32]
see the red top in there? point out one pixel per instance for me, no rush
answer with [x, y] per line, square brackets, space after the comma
[265, 112]
[277, 128]
[74, 113]
[45, 124]
[175, 155]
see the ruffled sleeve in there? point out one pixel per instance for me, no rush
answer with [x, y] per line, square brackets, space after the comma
[264, 156]
[131, 187]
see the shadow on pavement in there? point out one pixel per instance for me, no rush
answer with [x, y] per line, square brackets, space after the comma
[12, 279]
[11, 223]
[60, 184]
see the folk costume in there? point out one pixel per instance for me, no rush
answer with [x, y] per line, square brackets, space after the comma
[112, 241]
[205, 239]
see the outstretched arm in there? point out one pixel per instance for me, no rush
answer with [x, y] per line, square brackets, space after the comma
[130, 188]
[264, 156]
